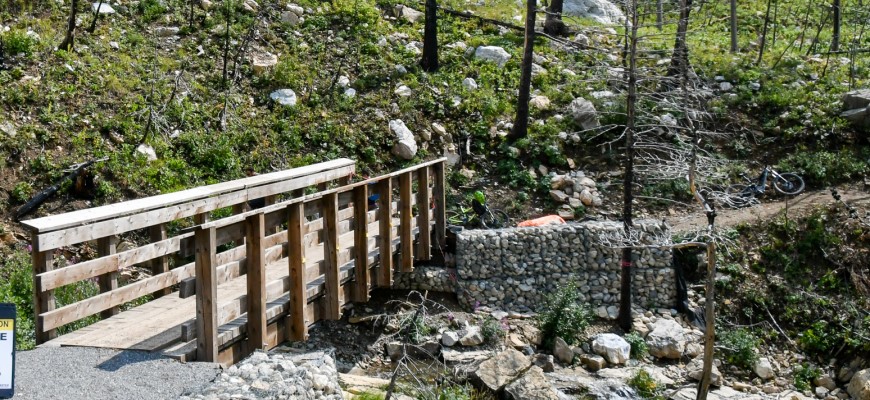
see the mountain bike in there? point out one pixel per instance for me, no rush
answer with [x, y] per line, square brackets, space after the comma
[479, 214]
[786, 183]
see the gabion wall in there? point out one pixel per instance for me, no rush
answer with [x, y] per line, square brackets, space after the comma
[517, 268]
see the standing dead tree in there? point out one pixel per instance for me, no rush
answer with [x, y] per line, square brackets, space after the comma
[69, 40]
[521, 122]
[430, 38]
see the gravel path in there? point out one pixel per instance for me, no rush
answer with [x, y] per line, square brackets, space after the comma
[90, 373]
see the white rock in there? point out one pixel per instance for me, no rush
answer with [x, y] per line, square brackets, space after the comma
[695, 371]
[166, 31]
[114, 45]
[407, 13]
[562, 351]
[405, 146]
[602, 11]
[290, 18]
[105, 8]
[472, 338]
[449, 338]
[469, 84]
[147, 151]
[284, 97]
[439, 129]
[859, 385]
[403, 91]
[343, 81]
[613, 347]
[540, 102]
[8, 129]
[667, 339]
[494, 54]
[296, 9]
[401, 70]
[764, 369]
[583, 113]
[350, 93]
[725, 86]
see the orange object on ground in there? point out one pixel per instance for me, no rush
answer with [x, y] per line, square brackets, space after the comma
[545, 220]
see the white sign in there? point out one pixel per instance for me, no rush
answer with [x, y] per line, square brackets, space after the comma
[7, 346]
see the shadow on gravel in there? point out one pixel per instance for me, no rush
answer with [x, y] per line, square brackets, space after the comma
[128, 357]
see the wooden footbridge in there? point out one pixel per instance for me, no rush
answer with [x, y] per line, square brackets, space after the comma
[228, 279]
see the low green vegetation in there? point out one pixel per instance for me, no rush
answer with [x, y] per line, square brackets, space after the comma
[564, 316]
[739, 347]
[645, 386]
[639, 347]
[804, 375]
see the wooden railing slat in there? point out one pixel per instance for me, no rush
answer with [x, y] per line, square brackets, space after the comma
[109, 281]
[385, 193]
[159, 265]
[360, 244]
[206, 296]
[256, 268]
[296, 260]
[330, 256]
[423, 197]
[405, 215]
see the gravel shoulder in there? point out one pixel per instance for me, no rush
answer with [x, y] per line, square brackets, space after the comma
[90, 373]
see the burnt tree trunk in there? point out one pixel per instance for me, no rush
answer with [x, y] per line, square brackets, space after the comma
[69, 41]
[430, 38]
[835, 40]
[733, 26]
[521, 123]
[554, 25]
[681, 49]
[763, 34]
[628, 192]
[93, 26]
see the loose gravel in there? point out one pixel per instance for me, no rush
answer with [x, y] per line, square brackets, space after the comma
[90, 373]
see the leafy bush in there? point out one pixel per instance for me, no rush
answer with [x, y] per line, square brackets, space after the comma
[804, 375]
[492, 330]
[826, 167]
[645, 385]
[563, 316]
[151, 10]
[16, 287]
[16, 42]
[638, 345]
[739, 348]
[819, 338]
[22, 192]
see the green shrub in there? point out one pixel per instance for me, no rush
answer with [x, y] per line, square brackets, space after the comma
[17, 42]
[739, 348]
[151, 10]
[638, 345]
[804, 375]
[492, 330]
[16, 287]
[826, 167]
[563, 316]
[645, 385]
[22, 192]
[819, 338]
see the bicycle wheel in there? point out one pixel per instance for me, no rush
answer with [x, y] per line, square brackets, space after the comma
[495, 219]
[788, 183]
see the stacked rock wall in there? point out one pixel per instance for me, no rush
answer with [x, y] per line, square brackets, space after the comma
[517, 268]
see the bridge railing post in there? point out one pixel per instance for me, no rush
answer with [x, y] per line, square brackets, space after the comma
[385, 226]
[296, 260]
[255, 227]
[406, 233]
[361, 243]
[206, 295]
[424, 251]
[108, 282]
[438, 192]
[43, 300]
[329, 211]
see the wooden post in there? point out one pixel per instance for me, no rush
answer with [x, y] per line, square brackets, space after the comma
[385, 223]
[108, 282]
[43, 301]
[361, 244]
[159, 265]
[296, 259]
[424, 251]
[406, 234]
[256, 262]
[206, 292]
[329, 210]
[709, 335]
[344, 180]
[440, 217]
[201, 218]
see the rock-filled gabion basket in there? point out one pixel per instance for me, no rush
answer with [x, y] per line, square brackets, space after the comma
[517, 268]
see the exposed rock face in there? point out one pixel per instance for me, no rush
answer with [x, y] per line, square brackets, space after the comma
[613, 347]
[405, 146]
[583, 113]
[601, 11]
[859, 386]
[667, 339]
[856, 108]
[502, 369]
[495, 54]
[533, 385]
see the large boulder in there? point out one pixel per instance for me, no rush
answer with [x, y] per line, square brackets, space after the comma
[502, 369]
[407, 13]
[856, 108]
[533, 385]
[601, 11]
[613, 347]
[859, 386]
[562, 351]
[494, 54]
[583, 113]
[764, 369]
[667, 339]
[405, 146]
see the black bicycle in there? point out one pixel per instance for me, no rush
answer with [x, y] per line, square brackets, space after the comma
[786, 183]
